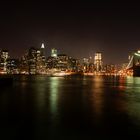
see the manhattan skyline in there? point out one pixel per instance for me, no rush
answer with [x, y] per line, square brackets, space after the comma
[76, 29]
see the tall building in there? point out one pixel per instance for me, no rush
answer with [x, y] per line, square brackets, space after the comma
[32, 55]
[42, 51]
[62, 62]
[98, 61]
[85, 64]
[24, 65]
[73, 64]
[53, 52]
[34, 61]
[4, 56]
[42, 55]
[13, 66]
[38, 61]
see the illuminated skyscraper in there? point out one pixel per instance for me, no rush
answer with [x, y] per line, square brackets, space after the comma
[63, 61]
[53, 52]
[42, 46]
[98, 61]
[85, 64]
[42, 50]
[42, 58]
[4, 56]
[34, 61]
[38, 61]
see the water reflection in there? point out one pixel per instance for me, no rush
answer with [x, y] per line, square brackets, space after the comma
[73, 108]
[97, 95]
[133, 96]
[55, 83]
[133, 84]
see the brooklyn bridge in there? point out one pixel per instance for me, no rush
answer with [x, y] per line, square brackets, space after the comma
[134, 64]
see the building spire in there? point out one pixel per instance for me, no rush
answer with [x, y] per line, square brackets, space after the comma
[42, 46]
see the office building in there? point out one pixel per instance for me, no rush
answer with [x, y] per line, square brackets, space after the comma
[98, 61]
[53, 52]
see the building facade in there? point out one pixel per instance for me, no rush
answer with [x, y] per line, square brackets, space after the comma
[98, 63]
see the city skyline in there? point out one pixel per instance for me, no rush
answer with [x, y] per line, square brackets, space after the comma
[77, 29]
[48, 53]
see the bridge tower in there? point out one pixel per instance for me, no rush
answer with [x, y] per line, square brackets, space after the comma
[136, 63]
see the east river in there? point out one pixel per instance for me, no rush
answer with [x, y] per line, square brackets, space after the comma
[71, 108]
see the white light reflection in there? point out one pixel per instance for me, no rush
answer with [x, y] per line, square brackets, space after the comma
[133, 85]
[133, 99]
[54, 91]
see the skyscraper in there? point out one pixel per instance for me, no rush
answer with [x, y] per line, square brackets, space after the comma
[98, 61]
[4, 56]
[53, 52]
[34, 61]
[42, 50]
[32, 56]
[43, 59]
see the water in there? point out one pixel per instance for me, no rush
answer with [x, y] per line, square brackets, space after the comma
[74, 108]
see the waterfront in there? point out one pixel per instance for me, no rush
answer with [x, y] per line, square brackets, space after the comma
[87, 107]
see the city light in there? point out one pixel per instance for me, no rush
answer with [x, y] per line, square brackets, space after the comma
[137, 54]
[42, 46]
[34, 61]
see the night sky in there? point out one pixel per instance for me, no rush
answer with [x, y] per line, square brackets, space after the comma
[76, 29]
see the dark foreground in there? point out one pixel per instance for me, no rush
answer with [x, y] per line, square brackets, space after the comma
[74, 108]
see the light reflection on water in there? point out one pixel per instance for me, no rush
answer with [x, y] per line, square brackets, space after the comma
[133, 91]
[98, 98]
[71, 108]
[55, 90]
